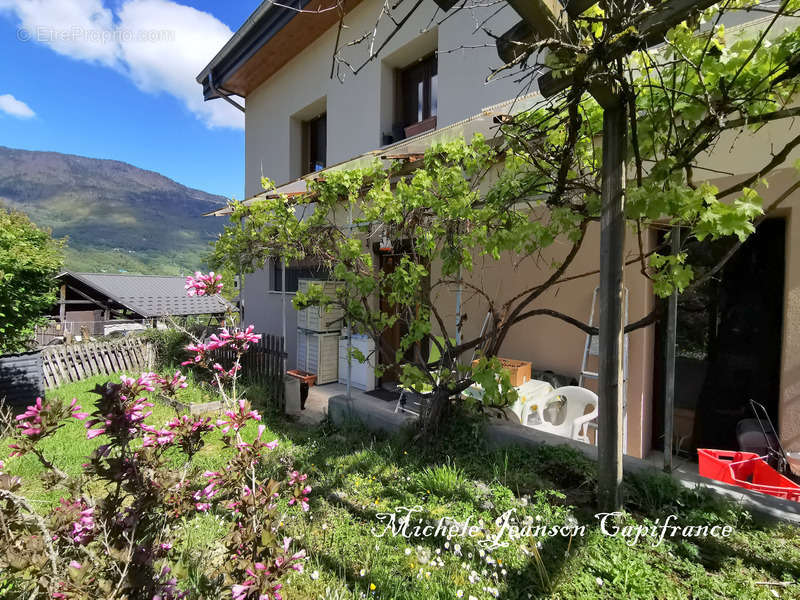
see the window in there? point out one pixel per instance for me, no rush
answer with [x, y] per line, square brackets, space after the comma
[295, 273]
[316, 144]
[419, 95]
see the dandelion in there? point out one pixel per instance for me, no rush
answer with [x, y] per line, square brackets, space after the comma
[372, 586]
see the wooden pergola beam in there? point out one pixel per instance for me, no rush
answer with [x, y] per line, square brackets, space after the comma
[545, 17]
[650, 31]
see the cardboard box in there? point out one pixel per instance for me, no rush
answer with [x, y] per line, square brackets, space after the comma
[519, 371]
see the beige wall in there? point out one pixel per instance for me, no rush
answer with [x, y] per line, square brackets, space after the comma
[551, 344]
[360, 109]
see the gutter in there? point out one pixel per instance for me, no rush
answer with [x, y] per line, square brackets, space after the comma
[222, 94]
[246, 27]
[267, 20]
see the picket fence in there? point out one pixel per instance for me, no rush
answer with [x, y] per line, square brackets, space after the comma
[264, 362]
[75, 362]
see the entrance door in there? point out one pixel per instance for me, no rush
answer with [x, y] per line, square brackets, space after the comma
[729, 342]
[390, 338]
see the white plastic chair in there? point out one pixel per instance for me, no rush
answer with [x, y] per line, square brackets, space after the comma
[529, 394]
[576, 420]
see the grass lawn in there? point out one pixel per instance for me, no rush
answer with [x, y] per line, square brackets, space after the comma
[357, 477]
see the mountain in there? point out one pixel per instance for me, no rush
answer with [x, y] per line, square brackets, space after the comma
[117, 217]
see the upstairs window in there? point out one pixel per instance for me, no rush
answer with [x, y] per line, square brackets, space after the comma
[316, 136]
[295, 272]
[419, 96]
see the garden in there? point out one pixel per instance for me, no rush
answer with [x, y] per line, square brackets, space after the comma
[108, 492]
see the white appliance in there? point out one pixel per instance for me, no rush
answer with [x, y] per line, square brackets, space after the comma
[363, 374]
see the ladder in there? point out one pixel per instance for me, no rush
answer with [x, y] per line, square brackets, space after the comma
[592, 348]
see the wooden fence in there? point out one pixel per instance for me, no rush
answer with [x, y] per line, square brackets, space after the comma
[75, 362]
[264, 362]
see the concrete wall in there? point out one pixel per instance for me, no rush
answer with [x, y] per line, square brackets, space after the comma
[263, 309]
[360, 109]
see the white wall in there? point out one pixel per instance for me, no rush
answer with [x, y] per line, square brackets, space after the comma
[360, 108]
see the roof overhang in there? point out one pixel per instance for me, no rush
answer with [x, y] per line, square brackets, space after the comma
[270, 38]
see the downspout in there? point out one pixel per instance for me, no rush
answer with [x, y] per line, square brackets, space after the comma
[224, 95]
[283, 304]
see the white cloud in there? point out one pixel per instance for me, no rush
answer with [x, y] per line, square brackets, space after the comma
[191, 39]
[75, 28]
[15, 108]
[159, 44]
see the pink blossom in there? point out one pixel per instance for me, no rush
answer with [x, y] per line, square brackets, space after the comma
[74, 410]
[83, 528]
[200, 284]
[31, 420]
[93, 433]
[241, 591]
[237, 419]
[296, 477]
[146, 382]
[171, 386]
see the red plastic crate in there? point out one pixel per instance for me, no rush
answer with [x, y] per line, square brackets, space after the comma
[716, 464]
[746, 470]
[759, 476]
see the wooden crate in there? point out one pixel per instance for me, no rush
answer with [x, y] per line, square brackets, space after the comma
[519, 371]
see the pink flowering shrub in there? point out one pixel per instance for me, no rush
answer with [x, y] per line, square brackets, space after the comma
[117, 529]
[233, 341]
[114, 533]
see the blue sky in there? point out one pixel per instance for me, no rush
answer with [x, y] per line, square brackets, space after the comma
[115, 79]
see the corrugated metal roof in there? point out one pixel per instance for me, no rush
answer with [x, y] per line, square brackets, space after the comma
[151, 295]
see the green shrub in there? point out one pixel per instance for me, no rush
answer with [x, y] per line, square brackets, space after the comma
[169, 345]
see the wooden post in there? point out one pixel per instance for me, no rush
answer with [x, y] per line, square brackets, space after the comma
[612, 242]
[62, 305]
[669, 366]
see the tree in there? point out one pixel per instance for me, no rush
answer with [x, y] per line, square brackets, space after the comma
[668, 105]
[29, 258]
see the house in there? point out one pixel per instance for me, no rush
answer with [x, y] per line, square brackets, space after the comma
[738, 339]
[101, 303]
